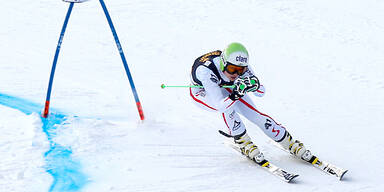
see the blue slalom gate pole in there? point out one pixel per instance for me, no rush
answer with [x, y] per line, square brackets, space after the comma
[138, 104]
[46, 109]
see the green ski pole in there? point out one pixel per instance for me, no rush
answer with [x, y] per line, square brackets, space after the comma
[192, 86]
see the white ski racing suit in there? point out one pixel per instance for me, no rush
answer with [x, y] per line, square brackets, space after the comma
[206, 72]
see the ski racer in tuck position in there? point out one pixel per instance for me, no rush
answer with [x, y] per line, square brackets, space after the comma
[230, 67]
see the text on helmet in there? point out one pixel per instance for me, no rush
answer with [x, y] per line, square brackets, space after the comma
[241, 59]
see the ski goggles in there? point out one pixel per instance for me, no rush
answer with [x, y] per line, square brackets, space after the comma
[233, 69]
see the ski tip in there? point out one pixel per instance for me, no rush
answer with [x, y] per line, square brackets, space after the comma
[342, 175]
[292, 179]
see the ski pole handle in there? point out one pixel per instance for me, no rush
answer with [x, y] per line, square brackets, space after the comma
[192, 86]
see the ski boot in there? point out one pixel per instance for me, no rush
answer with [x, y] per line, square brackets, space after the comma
[243, 141]
[296, 148]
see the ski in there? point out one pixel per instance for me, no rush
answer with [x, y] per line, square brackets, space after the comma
[324, 166]
[277, 171]
[265, 164]
[328, 168]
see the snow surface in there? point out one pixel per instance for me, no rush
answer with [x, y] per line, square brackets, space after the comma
[321, 62]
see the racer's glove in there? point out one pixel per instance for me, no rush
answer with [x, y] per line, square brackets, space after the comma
[252, 83]
[243, 85]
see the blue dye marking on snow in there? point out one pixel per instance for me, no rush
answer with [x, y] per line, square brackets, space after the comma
[64, 170]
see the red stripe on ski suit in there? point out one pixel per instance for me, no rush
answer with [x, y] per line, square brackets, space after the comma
[199, 101]
[225, 120]
[251, 107]
[230, 104]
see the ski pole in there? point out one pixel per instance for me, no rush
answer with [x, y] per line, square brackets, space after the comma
[192, 86]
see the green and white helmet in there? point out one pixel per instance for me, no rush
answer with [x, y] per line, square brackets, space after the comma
[235, 54]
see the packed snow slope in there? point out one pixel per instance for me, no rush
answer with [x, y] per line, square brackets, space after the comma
[321, 62]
